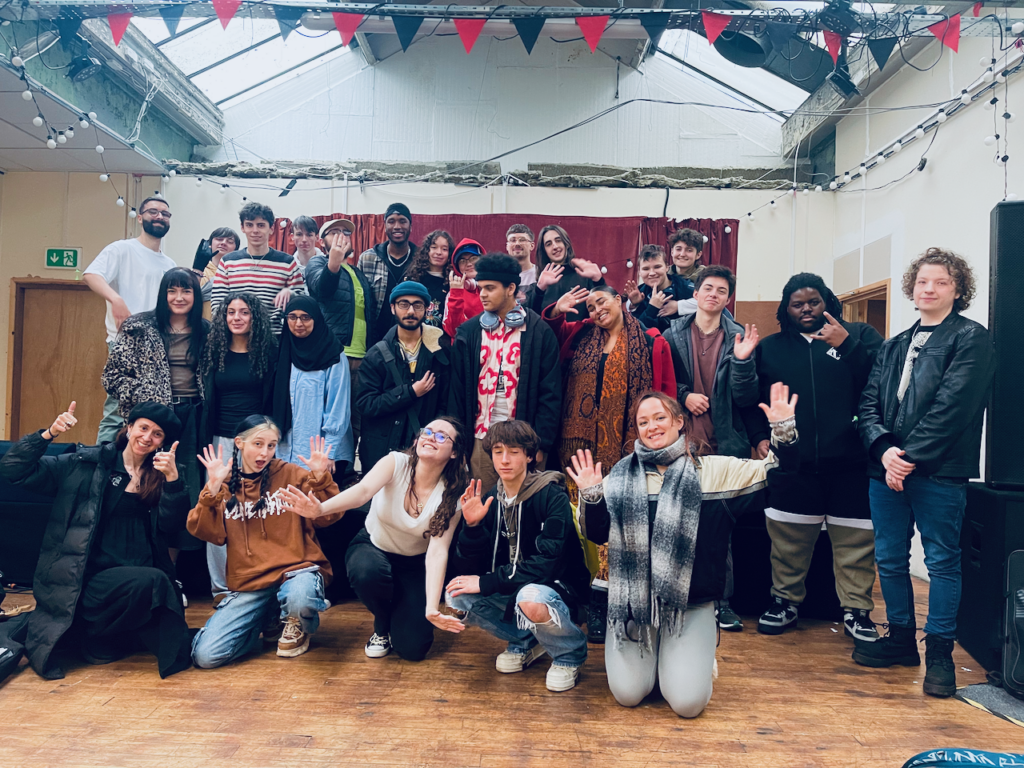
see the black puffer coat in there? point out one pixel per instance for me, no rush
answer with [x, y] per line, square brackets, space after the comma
[337, 298]
[77, 482]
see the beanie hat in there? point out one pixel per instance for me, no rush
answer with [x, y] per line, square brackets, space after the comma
[160, 415]
[499, 267]
[399, 208]
[410, 288]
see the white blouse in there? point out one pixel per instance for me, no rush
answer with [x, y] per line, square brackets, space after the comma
[393, 529]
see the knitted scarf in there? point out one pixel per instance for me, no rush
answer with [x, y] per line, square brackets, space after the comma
[650, 565]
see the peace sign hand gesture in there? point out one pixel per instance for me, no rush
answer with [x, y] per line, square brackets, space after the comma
[583, 471]
[216, 470]
[164, 463]
[832, 332]
[62, 423]
[658, 297]
[473, 511]
[745, 343]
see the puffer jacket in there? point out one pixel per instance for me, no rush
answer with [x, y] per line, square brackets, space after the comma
[76, 482]
[939, 422]
[337, 298]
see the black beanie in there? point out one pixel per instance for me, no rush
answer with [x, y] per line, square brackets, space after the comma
[399, 208]
[160, 415]
[500, 267]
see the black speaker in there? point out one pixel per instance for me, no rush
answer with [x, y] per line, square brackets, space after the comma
[993, 527]
[1005, 422]
[23, 517]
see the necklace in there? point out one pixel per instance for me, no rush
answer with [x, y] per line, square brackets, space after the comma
[707, 340]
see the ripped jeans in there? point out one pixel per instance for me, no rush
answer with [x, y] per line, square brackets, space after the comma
[559, 636]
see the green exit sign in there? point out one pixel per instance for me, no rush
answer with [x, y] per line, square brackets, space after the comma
[63, 258]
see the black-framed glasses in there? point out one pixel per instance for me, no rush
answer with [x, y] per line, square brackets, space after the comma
[419, 306]
[157, 214]
[440, 437]
[303, 318]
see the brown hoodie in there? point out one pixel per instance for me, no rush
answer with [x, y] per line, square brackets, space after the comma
[260, 553]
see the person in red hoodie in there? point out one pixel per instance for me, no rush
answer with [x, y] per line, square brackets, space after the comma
[276, 570]
[463, 297]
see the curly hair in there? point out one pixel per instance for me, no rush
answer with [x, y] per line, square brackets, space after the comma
[958, 269]
[455, 477]
[421, 259]
[262, 344]
[690, 237]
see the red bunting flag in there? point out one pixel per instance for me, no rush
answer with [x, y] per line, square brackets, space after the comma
[225, 10]
[347, 24]
[592, 28]
[977, 9]
[834, 43]
[118, 25]
[469, 30]
[948, 32]
[714, 23]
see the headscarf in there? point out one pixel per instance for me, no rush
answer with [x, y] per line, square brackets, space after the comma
[317, 352]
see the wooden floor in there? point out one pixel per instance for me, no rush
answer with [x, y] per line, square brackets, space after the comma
[794, 700]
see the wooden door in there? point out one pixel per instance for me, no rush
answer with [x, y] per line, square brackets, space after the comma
[870, 305]
[57, 352]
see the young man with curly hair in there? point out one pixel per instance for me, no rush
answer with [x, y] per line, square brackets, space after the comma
[920, 419]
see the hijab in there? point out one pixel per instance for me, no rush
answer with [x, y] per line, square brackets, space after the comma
[317, 352]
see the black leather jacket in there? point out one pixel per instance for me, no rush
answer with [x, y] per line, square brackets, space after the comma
[939, 421]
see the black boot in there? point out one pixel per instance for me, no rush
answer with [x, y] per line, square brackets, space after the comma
[598, 617]
[940, 672]
[897, 648]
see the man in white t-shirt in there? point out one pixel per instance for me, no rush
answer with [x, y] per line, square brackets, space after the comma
[127, 275]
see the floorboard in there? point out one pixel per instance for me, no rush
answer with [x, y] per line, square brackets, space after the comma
[795, 700]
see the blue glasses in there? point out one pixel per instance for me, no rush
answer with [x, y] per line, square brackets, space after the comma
[440, 437]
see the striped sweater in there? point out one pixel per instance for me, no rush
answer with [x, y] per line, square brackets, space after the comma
[265, 276]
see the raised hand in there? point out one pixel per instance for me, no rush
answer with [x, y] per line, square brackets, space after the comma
[745, 342]
[832, 332]
[302, 504]
[568, 301]
[445, 622]
[319, 460]
[782, 405]
[587, 269]
[164, 463]
[455, 281]
[633, 293]
[583, 471]
[658, 298]
[473, 511]
[62, 423]
[550, 275]
[424, 385]
[282, 298]
[216, 470]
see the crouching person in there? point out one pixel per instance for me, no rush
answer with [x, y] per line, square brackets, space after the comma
[520, 537]
[276, 571]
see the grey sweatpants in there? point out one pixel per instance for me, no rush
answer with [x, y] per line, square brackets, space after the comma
[683, 665]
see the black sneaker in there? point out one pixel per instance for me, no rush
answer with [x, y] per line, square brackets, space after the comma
[728, 619]
[897, 648]
[378, 646]
[597, 617]
[858, 625]
[781, 616]
[940, 672]
[181, 589]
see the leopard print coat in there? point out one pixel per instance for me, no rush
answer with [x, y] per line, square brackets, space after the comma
[137, 370]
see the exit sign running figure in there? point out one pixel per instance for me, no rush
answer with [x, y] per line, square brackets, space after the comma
[62, 258]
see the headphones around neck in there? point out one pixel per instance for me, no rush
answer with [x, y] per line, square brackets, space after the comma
[514, 318]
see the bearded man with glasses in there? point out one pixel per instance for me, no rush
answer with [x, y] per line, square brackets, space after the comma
[403, 380]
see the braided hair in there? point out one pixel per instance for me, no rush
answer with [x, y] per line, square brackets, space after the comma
[247, 428]
[262, 344]
[455, 477]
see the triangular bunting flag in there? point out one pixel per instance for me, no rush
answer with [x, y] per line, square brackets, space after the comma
[118, 25]
[225, 10]
[469, 31]
[529, 30]
[592, 28]
[834, 43]
[288, 17]
[171, 15]
[948, 32]
[348, 23]
[881, 49]
[714, 23]
[780, 34]
[654, 24]
[406, 27]
[977, 9]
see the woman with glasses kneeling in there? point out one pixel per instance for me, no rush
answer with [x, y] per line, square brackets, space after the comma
[397, 564]
[666, 516]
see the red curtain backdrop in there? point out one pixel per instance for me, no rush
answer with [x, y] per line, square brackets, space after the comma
[610, 242]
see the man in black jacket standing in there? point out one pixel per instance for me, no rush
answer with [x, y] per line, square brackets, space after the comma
[920, 419]
[402, 377]
[384, 265]
[826, 362]
[505, 366]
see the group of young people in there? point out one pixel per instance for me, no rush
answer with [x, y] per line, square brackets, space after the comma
[509, 416]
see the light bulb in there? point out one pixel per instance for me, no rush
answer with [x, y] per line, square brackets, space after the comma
[990, 140]
[132, 213]
[833, 185]
[223, 188]
[984, 61]
[165, 177]
[51, 143]
[92, 116]
[705, 238]
[99, 149]
[26, 95]
[70, 133]
[991, 103]
[863, 170]
[104, 177]
[965, 98]
[172, 173]
[807, 190]
[818, 188]
[846, 178]
[37, 121]
[750, 215]
[284, 223]
[988, 75]
[1009, 117]
[897, 147]
[1017, 28]
[728, 230]
[880, 160]
[1001, 77]
[941, 117]
[83, 123]
[199, 181]
[629, 265]
[772, 203]
[62, 139]
[604, 270]
[17, 61]
[1012, 196]
[120, 202]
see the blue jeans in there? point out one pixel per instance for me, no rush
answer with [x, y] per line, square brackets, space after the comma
[559, 636]
[236, 624]
[937, 506]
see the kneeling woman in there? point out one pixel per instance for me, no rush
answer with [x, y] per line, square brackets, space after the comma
[397, 564]
[104, 572]
[276, 571]
[663, 513]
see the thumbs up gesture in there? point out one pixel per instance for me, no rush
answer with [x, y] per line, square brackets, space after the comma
[62, 423]
[163, 462]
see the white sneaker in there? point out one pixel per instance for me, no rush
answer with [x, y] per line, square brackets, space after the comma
[509, 662]
[562, 678]
[377, 647]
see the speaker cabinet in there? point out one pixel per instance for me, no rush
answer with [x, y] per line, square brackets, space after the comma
[1003, 467]
[993, 527]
